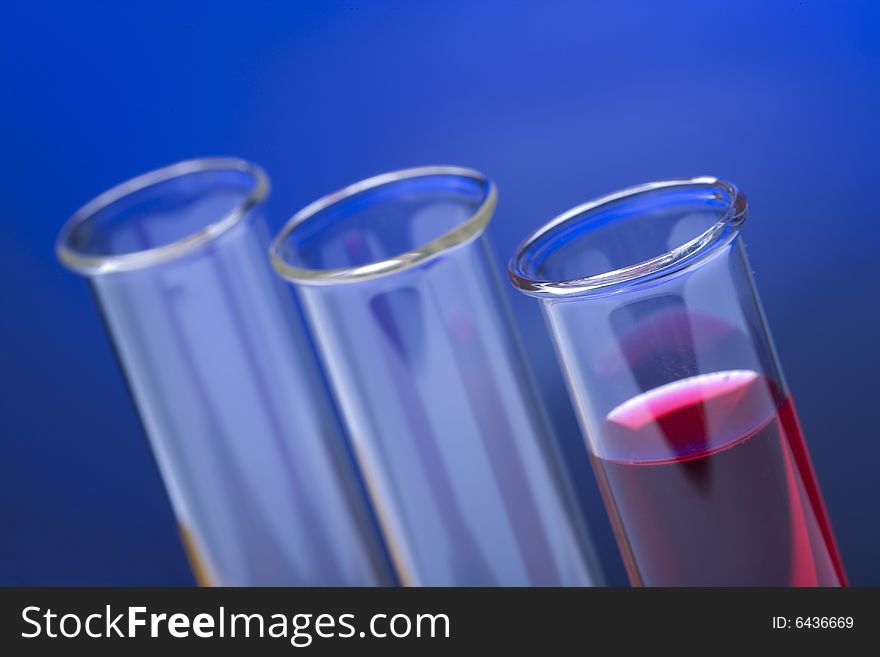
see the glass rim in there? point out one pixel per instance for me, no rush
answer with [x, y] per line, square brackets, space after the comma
[461, 234]
[90, 264]
[683, 256]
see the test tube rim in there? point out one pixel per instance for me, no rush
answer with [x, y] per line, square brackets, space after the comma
[90, 264]
[463, 233]
[686, 255]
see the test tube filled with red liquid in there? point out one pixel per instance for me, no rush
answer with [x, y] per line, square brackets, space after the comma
[690, 426]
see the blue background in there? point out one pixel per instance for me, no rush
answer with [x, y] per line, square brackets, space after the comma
[557, 102]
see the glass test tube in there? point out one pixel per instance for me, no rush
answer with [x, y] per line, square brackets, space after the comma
[691, 428]
[225, 379]
[398, 283]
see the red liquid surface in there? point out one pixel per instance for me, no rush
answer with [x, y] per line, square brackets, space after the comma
[709, 483]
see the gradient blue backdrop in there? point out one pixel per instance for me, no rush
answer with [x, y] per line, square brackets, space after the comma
[557, 102]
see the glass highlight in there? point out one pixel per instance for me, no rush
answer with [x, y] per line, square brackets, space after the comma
[691, 428]
[398, 283]
[225, 379]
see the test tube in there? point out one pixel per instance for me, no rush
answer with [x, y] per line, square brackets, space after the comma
[398, 283]
[225, 379]
[691, 428]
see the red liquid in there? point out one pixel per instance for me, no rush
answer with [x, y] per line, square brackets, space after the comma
[709, 483]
